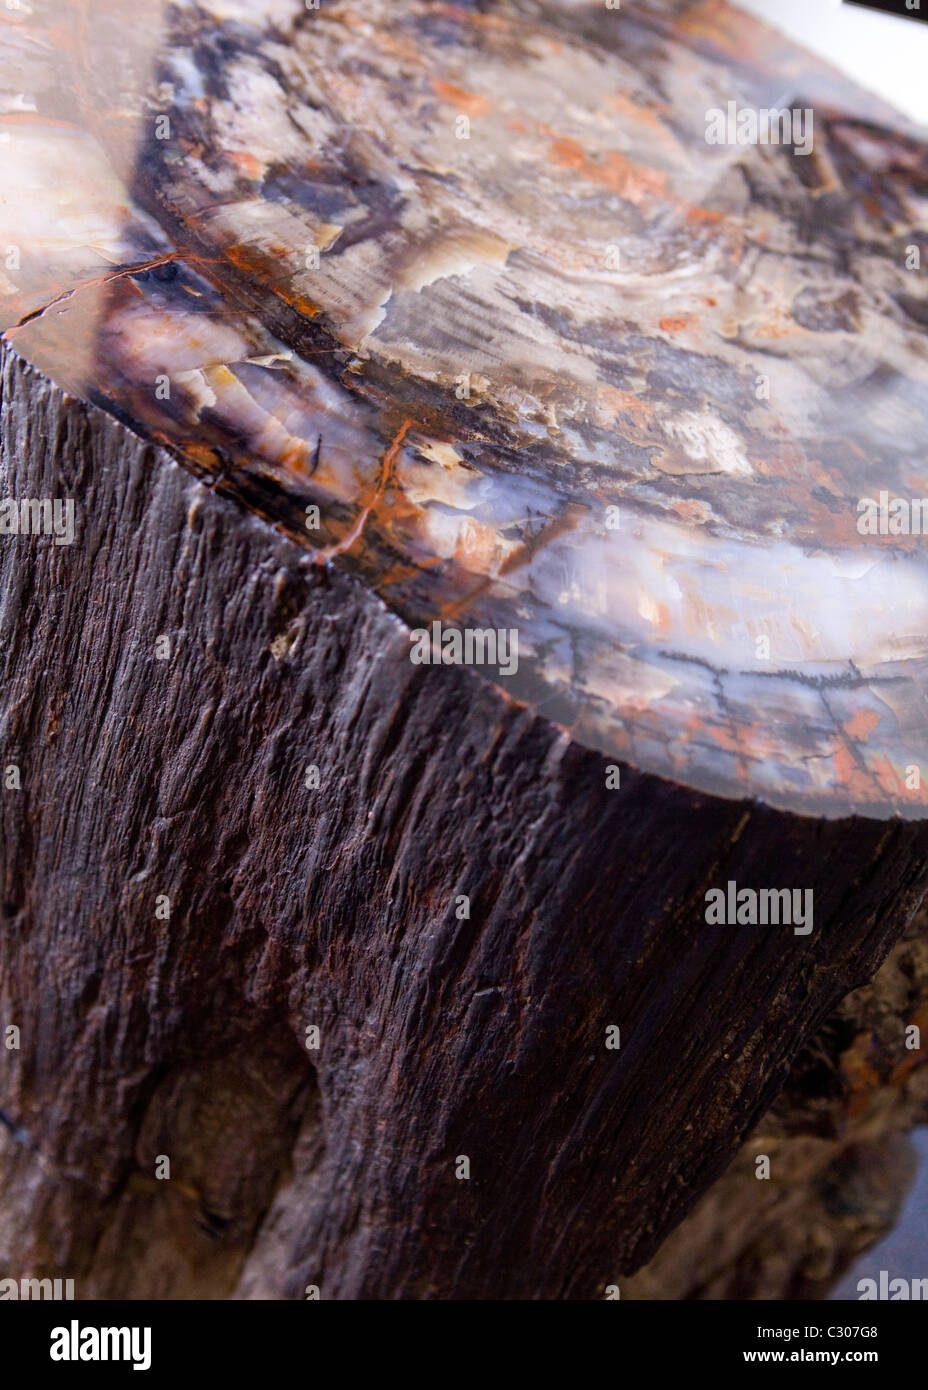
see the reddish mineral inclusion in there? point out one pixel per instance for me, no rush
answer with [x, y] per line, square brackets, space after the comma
[467, 281]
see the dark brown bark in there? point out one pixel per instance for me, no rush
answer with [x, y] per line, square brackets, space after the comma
[841, 1161]
[335, 907]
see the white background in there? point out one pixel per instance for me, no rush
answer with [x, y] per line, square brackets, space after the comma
[886, 54]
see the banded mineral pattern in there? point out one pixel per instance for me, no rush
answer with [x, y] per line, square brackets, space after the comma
[466, 278]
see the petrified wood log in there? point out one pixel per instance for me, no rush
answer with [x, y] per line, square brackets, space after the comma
[333, 325]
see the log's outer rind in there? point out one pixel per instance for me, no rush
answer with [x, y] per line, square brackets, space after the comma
[839, 1160]
[335, 907]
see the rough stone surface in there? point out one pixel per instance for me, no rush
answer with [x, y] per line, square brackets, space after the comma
[336, 907]
[841, 1161]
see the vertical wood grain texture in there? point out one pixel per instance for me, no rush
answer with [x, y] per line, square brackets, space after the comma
[335, 907]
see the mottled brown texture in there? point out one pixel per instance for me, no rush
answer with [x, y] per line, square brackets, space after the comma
[335, 907]
[841, 1162]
